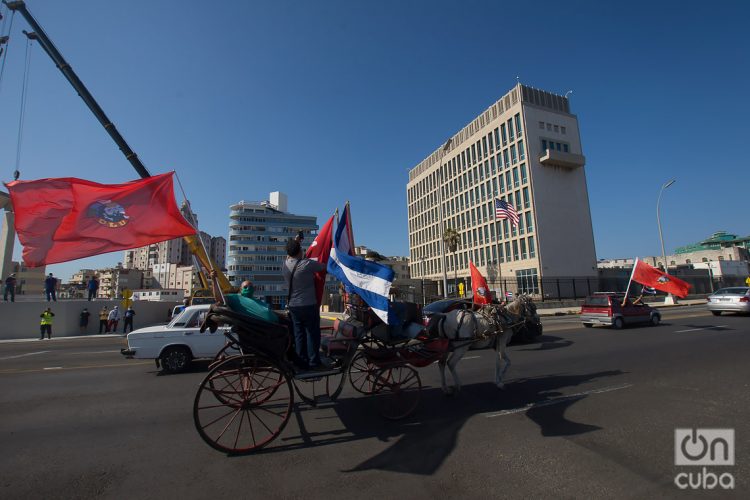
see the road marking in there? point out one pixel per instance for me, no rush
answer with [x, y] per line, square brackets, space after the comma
[23, 355]
[559, 399]
[471, 357]
[94, 352]
[65, 368]
[703, 328]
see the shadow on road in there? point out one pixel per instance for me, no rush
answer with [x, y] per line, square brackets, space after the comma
[424, 441]
[547, 342]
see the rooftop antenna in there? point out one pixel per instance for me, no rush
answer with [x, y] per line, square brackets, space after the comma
[568, 92]
[518, 79]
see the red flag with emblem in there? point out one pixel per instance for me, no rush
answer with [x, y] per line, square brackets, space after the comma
[479, 288]
[320, 250]
[650, 276]
[64, 219]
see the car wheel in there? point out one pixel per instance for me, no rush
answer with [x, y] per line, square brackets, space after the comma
[175, 359]
[618, 324]
[716, 313]
[588, 325]
[655, 319]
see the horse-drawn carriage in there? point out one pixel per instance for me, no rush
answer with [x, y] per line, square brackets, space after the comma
[247, 397]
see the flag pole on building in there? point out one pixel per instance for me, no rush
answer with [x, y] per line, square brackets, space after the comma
[627, 290]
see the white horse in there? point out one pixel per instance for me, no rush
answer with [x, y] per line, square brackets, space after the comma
[464, 328]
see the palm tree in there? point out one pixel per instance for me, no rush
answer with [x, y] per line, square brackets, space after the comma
[451, 239]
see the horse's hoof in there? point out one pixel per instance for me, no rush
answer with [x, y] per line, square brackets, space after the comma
[500, 385]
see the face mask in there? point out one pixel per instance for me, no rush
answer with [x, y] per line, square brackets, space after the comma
[247, 291]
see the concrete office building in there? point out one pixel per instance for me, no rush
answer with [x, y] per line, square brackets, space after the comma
[524, 149]
[258, 232]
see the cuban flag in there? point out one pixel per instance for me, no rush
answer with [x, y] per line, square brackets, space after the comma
[369, 280]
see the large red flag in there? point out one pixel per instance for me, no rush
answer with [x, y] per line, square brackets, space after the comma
[650, 276]
[479, 288]
[320, 250]
[64, 219]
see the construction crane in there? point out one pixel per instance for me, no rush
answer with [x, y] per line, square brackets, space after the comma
[194, 243]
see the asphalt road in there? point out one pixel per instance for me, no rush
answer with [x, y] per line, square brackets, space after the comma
[586, 413]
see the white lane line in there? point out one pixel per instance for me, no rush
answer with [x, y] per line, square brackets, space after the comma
[54, 368]
[94, 352]
[703, 328]
[23, 355]
[559, 399]
[471, 357]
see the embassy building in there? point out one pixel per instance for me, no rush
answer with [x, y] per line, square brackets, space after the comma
[524, 149]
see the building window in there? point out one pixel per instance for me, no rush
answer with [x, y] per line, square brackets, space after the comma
[519, 130]
[513, 155]
[529, 222]
[565, 148]
[521, 151]
[527, 281]
[511, 136]
[524, 177]
[544, 145]
[549, 127]
[515, 177]
[502, 132]
[541, 125]
[562, 129]
[532, 250]
[523, 249]
[515, 249]
[507, 250]
[557, 129]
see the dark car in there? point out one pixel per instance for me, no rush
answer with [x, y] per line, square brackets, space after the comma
[607, 308]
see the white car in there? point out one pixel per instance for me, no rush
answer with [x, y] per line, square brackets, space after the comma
[177, 343]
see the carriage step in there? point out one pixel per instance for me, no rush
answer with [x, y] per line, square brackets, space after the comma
[316, 374]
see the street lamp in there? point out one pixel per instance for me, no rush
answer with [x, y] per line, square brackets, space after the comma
[670, 298]
[441, 154]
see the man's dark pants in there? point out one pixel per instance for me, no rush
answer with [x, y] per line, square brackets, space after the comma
[306, 321]
[92, 294]
[128, 323]
[12, 291]
[51, 293]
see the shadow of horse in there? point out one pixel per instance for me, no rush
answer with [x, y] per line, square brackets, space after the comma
[547, 342]
[424, 441]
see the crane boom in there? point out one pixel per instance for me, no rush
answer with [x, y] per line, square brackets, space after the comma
[193, 242]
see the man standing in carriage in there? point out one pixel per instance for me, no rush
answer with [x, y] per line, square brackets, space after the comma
[299, 274]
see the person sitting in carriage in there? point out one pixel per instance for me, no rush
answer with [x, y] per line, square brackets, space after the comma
[244, 302]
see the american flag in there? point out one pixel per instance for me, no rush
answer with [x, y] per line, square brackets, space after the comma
[503, 210]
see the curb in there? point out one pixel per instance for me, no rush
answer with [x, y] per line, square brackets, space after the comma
[72, 337]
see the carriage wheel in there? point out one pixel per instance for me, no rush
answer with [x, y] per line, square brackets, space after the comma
[230, 349]
[362, 374]
[399, 389]
[243, 404]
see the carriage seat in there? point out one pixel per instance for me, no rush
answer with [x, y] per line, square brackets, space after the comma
[253, 333]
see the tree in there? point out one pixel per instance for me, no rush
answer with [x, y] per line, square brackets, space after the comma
[452, 239]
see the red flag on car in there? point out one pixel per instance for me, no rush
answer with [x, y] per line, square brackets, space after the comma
[64, 219]
[320, 250]
[650, 276]
[481, 291]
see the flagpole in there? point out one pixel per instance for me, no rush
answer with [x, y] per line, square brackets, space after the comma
[498, 246]
[350, 230]
[632, 273]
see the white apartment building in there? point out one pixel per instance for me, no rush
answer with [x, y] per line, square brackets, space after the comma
[524, 149]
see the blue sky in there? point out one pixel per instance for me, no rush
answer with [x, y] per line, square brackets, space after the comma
[331, 101]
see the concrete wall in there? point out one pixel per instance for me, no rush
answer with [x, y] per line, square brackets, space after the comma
[20, 320]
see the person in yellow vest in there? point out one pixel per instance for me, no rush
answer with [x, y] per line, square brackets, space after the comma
[46, 323]
[747, 281]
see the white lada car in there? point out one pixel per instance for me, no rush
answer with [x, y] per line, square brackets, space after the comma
[177, 343]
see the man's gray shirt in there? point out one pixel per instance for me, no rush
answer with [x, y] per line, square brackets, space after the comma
[303, 291]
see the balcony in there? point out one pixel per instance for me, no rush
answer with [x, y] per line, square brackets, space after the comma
[554, 158]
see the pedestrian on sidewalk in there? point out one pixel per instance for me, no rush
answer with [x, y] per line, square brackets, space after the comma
[103, 318]
[128, 320]
[46, 323]
[84, 320]
[50, 287]
[10, 288]
[114, 319]
[92, 286]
